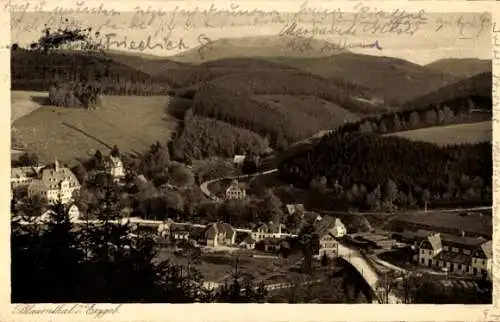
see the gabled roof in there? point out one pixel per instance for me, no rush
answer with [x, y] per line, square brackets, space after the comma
[115, 161]
[311, 217]
[239, 159]
[435, 242]
[21, 172]
[234, 185]
[324, 226]
[51, 178]
[293, 208]
[220, 228]
[488, 249]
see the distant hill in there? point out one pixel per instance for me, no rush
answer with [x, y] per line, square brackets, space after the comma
[475, 90]
[258, 47]
[462, 67]
[391, 79]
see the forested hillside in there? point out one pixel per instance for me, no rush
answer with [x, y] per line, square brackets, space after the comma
[382, 165]
[462, 67]
[476, 88]
[389, 79]
[38, 71]
[204, 137]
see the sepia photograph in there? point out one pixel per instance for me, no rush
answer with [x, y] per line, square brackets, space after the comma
[227, 155]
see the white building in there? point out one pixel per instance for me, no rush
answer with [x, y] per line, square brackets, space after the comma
[114, 167]
[22, 176]
[54, 183]
[268, 231]
[459, 255]
[328, 230]
[73, 213]
[235, 192]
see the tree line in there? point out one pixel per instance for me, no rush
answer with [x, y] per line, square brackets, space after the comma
[452, 112]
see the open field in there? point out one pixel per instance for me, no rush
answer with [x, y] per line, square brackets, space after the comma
[452, 134]
[24, 102]
[218, 267]
[132, 123]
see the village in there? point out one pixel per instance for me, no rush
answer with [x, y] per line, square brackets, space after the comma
[452, 245]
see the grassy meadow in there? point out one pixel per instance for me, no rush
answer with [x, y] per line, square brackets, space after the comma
[452, 134]
[130, 122]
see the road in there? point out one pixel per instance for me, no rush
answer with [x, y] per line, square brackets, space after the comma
[208, 194]
[367, 270]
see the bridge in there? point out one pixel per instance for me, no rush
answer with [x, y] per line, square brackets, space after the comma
[369, 271]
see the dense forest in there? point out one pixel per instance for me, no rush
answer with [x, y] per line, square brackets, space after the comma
[37, 71]
[204, 137]
[369, 169]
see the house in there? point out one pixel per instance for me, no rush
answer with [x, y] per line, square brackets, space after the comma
[310, 217]
[295, 208]
[269, 245]
[166, 187]
[238, 160]
[114, 167]
[270, 230]
[73, 213]
[45, 216]
[235, 191]
[21, 177]
[54, 183]
[220, 234]
[165, 228]
[460, 255]
[482, 259]
[328, 230]
[248, 243]
[179, 232]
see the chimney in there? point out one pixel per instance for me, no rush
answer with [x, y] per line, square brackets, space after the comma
[463, 233]
[56, 165]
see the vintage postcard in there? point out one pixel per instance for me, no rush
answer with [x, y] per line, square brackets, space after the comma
[250, 152]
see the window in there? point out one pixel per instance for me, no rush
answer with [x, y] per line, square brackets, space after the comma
[423, 260]
[446, 248]
[454, 249]
[466, 251]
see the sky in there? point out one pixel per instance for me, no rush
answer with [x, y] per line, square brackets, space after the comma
[439, 35]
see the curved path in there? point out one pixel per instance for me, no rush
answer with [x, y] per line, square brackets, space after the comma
[208, 194]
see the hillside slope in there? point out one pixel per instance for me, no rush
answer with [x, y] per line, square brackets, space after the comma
[462, 67]
[69, 133]
[452, 134]
[475, 90]
[390, 79]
